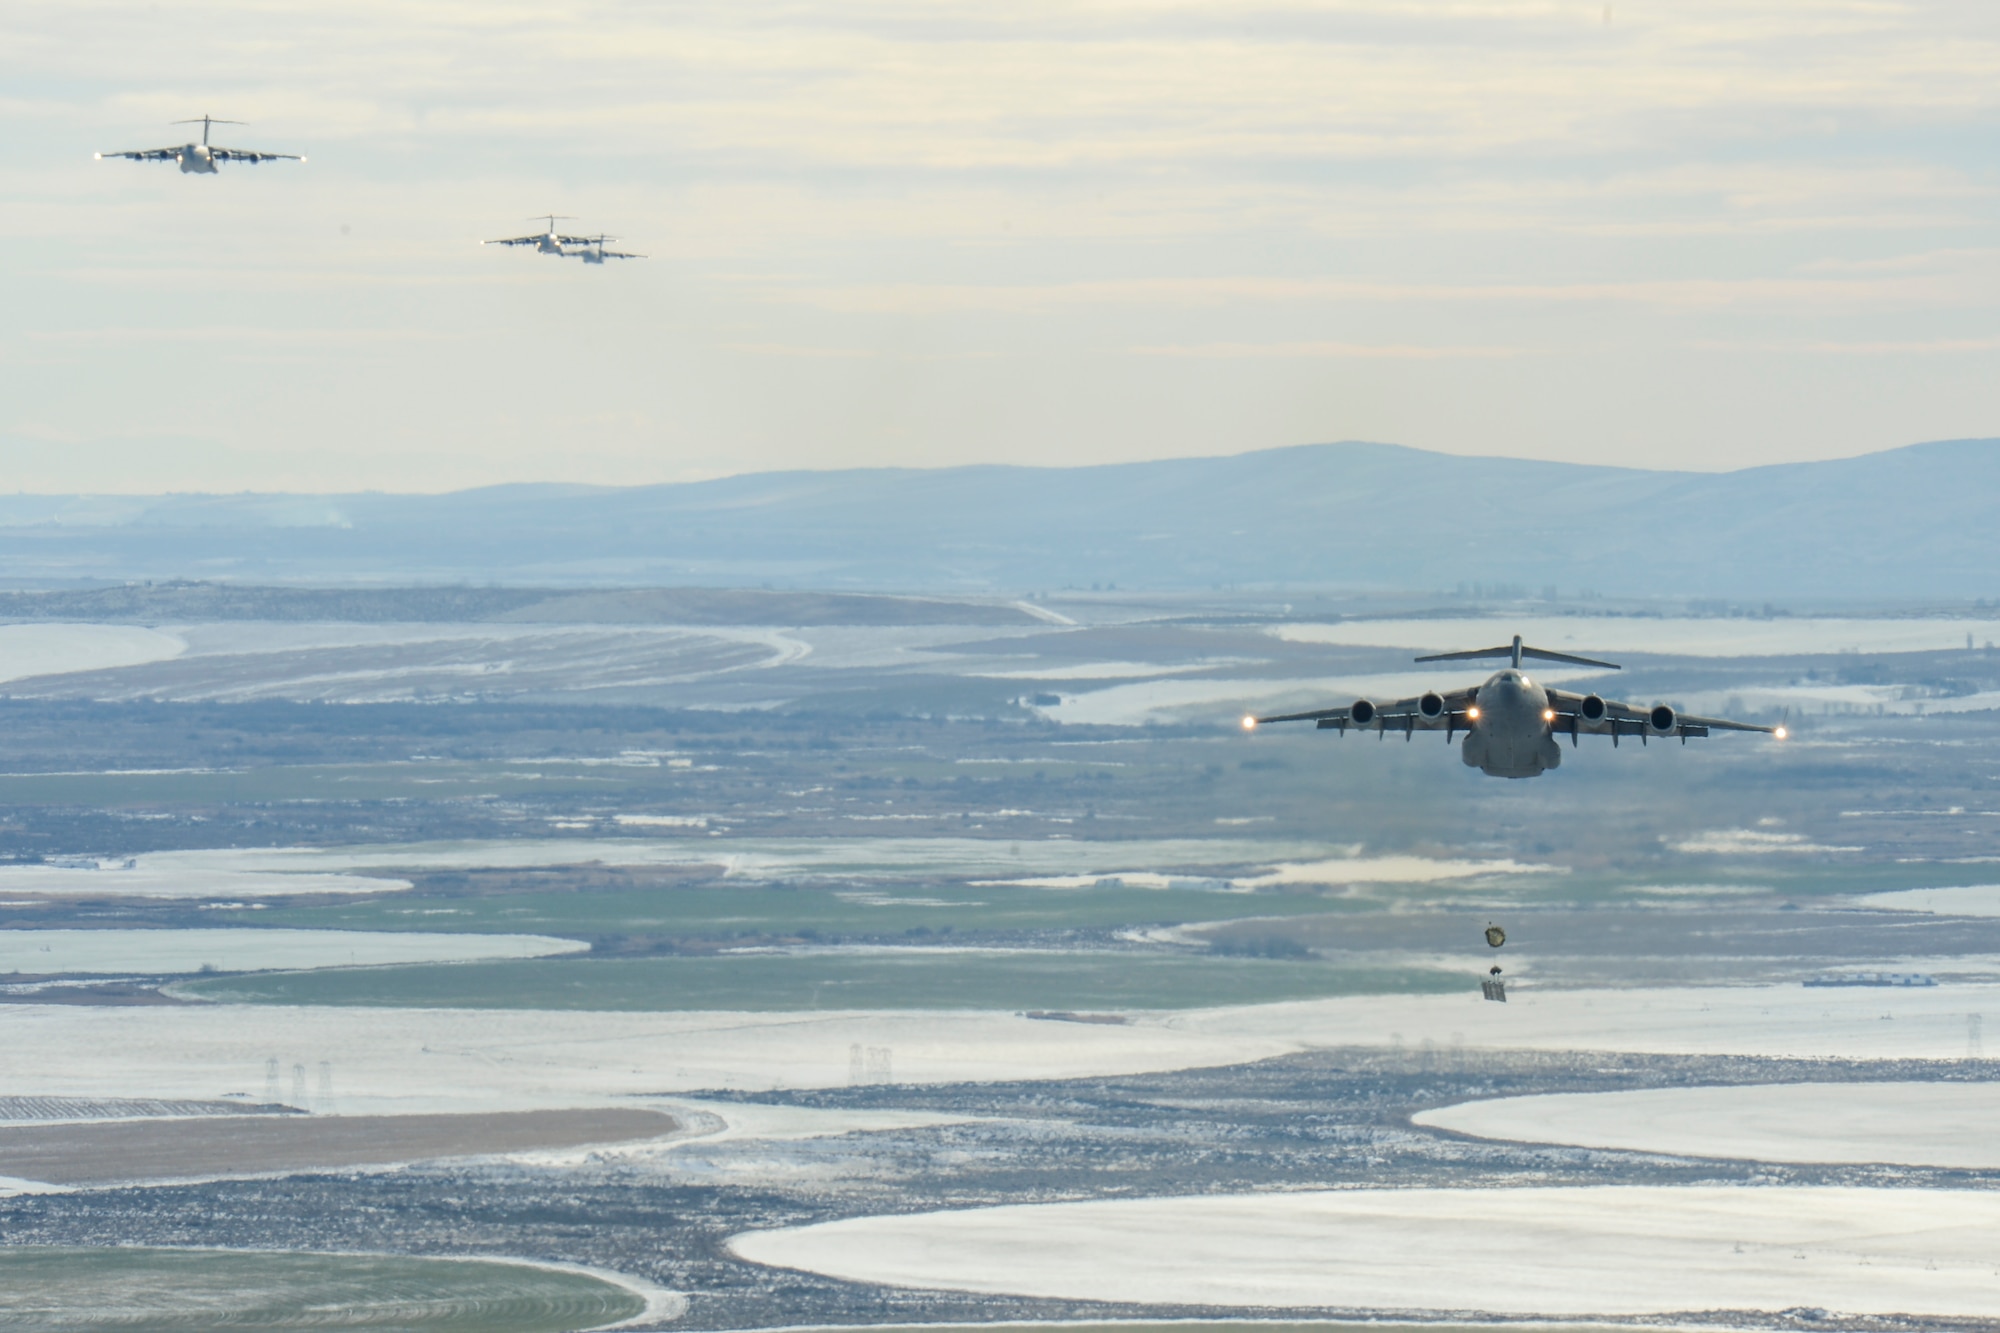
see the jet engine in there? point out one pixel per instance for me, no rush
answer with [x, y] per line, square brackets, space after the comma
[1592, 708]
[1362, 712]
[1431, 706]
[1662, 719]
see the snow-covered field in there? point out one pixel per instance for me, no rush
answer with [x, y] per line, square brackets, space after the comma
[422, 1060]
[1139, 702]
[1908, 1124]
[1575, 1251]
[1899, 699]
[347, 661]
[1608, 636]
[1104, 670]
[714, 1123]
[443, 1059]
[152, 952]
[377, 663]
[1047, 862]
[1340, 870]
[50, 650]
[220, 874]
[1387, 870]
[1959, 900]
[1858, 1023]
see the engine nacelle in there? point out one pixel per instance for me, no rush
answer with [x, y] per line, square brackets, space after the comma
[1362, 712]
[1592, 709]
[1431, 706]
[1662, 719]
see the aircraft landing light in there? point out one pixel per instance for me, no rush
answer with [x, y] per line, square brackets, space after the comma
[1472, 713]
[1781, 733]
[1548, 715]
[1249, 724]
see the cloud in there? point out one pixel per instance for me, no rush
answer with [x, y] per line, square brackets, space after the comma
[1773, 293]
[1880, 347]
[1323, 350]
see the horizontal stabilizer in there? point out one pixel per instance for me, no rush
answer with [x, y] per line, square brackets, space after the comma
[1515, 651]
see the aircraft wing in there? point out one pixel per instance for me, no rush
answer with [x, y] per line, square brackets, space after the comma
[148, 154]
[250, 156]
[515, 240]
[619, 254]
[1574, 715]
[1402, 715]
[1724, 724]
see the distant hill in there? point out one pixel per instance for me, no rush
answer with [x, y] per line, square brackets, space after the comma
[1918, 522]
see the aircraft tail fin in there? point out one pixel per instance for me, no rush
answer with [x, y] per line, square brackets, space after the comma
[1515, 651]
[205, 122]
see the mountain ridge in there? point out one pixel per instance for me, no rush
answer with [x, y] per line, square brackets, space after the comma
[1911, 522]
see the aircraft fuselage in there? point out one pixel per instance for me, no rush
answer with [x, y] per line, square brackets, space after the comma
[196, 160]
[1511, 736]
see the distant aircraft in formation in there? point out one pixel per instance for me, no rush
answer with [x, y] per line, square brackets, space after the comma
[549, 242]
[595, 253]
[1510, 722]
[201, 159]
[590, 249]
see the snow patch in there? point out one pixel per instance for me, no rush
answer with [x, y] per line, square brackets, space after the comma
[154, 952]
[1627, 1251]
[1608, 636]
[1754, 842]
[27, 651]
[1388, 870]
[180, 875]
[1959, 900]
[389, 1060]
[1908, 1124]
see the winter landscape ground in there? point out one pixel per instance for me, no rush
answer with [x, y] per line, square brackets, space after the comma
[834, 961]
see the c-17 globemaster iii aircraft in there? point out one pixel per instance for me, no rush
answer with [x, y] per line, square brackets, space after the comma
[550, 242]
[595, 253]
[590, 249]
[1510, 722]
[200, 159]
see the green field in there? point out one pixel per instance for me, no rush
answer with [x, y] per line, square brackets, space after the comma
[608, 903]
[712, 909]
[165, 1290]
[784, 982]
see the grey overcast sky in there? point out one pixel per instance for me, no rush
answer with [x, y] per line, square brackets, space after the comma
[1703, 234]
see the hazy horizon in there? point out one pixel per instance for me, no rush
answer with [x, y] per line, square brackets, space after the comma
[1057, 465]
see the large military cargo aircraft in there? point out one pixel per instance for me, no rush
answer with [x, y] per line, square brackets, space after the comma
[202, 159]
[1511, 723]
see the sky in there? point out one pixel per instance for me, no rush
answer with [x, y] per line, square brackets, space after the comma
[1696, 234]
